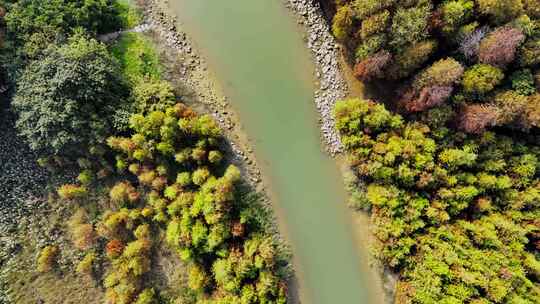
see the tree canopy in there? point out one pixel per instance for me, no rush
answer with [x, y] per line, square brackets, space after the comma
[67, 99]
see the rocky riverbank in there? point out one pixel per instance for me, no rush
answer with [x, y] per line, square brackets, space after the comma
[334, 86]
[190, 73]
[326, 54]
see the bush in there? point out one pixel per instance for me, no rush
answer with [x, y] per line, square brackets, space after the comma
[369, 47]
[428, 98]
[122, 193]
[499, 48]
[523, 82]
[409, 26]
[443, 73]
[71, 192]
[470, 44]
[481, 79]
[375, 24]
[367, 8]
[85, 266]
[500, 11]
[455, 14]
[29, 18]
[66, 101]
[47, 258]
[373, 66]
[411, 59]
[477, 118]
[342, 23]
[153, 95]
[529, 53]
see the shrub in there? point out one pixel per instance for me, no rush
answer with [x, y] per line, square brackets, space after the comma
[455, 14]
[138, 59]
[429, 97]
[123, 192]
[147, 296]
[529, 54]
[500, 11]
[375, 24]
[153, 95]
[67, 100]
[523, 82]
[47, 258]
[114, 248]
[373, 66]
[32, 17]
[477, 118]
[366, 8]
[470, 44]
[481, 79]
[499, 48]
[443, 73]
[83, 235]
[532, 7]
[86, 177]
[411, 59]
[531, 116]
[409, 26]
[71, 192]
[86, 264]
[129, 14]
[369, 47]
[342, 23]
[511, 104]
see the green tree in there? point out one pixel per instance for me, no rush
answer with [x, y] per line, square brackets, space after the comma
[481, 79]
[67, 100]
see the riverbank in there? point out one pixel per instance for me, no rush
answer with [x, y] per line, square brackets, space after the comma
[336, 81]
[326, 53]
[191, 74]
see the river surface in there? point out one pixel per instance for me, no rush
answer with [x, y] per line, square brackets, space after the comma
[256, 50]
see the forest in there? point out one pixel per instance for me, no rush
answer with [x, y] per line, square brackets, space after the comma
[448, 163]
[150, 171]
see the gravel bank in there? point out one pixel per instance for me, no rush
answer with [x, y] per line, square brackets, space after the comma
[333, 87]
[200, 89]
[325, 52]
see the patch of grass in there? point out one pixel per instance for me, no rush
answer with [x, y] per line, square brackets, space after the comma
[137, 57]
[129, 14]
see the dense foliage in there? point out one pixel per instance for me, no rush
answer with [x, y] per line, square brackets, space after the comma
[479, 56]
[67, 100]
[163, 181]
[34, 23]
[176, 158]
[456, 216]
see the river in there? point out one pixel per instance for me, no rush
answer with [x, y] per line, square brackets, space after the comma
[257, 53]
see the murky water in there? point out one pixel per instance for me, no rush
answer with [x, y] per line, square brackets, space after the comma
[261, 62]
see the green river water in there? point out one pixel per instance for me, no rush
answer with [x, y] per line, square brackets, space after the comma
[261, 62]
